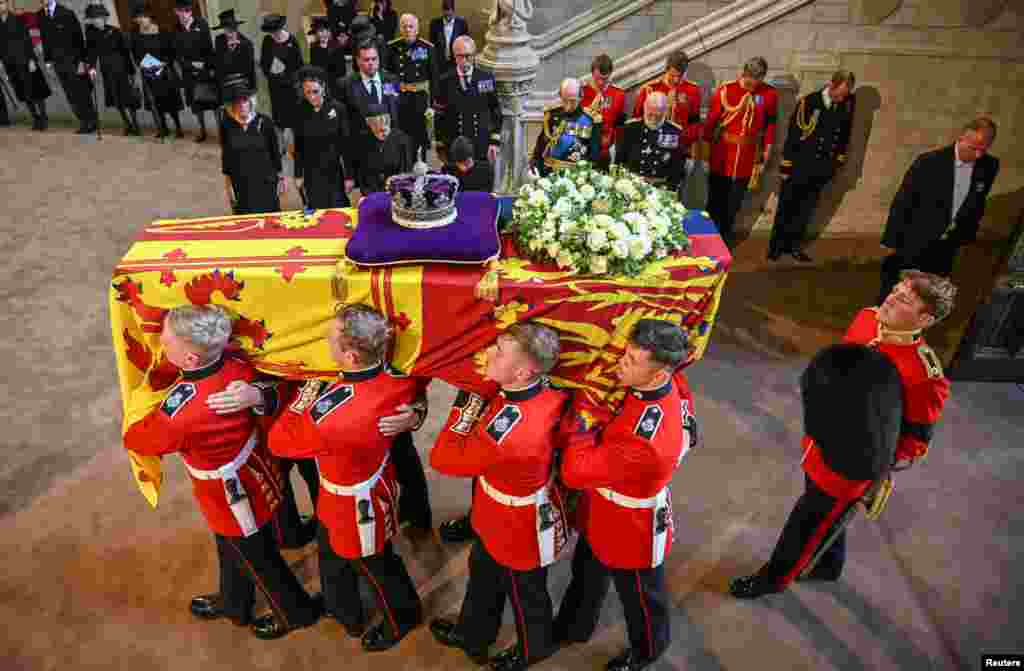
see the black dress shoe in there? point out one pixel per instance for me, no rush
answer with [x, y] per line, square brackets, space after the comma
[269, 627]
[627, 661]
[211, 607]
[444, 632]
[509, 659]
[800, 256]
[179, 134]
[201, 137]
[457, 530]
[751, 587]
[774, 255]
[86, 129]
[379, 638]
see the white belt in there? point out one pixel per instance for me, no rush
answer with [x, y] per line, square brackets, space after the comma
[356, 489]
[629, 501]
[234, 492]
[508, 499]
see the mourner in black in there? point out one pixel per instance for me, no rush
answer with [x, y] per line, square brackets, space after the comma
[109, 50]
[367, 85]
[384, 19]
[280, 59]
[154, 54]
[340, 14]
[853, 407]
[444, 30]
[250, 154]
[569, 133]
[411, 59]
[388, 153]
[193, 52]
[653, 147]
[321, 130]
[473, 175]
[24, 71]
[64, 48]
[815, 148]
[233, 52]
[940, 205]
[467, 104]
[328, 54]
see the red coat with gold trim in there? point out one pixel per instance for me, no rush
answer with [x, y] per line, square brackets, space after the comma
[683, 105]
[925, 387]
[747, 120]
[336, 422]
[183, 423]
[635, 455]
[610, 112]
[510, 443]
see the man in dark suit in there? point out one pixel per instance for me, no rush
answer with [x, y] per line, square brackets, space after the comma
[940, 205]
[444, 30]
[467, 104]
[367, 85]
[64, 51]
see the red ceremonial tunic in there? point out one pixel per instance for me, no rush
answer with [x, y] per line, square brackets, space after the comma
[207, 441]
[511, 448]
[609, 111]
[925, 387]
[626, 509]
[683, 105]
[336, 422]
[743, 117]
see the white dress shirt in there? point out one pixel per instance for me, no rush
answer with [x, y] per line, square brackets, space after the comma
[962, 171]
[449, 28]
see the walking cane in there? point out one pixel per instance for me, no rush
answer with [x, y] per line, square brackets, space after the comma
[96, 106]
[145, 90]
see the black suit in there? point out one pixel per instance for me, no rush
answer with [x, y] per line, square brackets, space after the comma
[64, 46]
[922, 211]
[443, 50]
[356, 99]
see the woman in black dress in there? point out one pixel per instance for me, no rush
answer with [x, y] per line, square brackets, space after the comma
[193, 51]
[384, 19]
[154, 54]
[24, 70]
[280, 59]
[250, 154]
[328, 54]
[107, 47]
[233, 53]
[320, 134]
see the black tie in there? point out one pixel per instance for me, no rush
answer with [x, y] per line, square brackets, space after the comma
[373, 90]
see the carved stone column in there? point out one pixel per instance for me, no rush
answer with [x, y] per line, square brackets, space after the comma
[508, 54]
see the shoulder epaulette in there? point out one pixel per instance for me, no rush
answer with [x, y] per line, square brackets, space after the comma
[634, 120]
[395, 41]
[931, 361]
[427, 42]
[673, 123]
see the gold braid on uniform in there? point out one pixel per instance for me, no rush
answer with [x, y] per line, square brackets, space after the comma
[805, 125]
[745, 106]
[595, 107]
[553, 139]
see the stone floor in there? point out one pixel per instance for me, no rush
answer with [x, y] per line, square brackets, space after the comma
[93, 578]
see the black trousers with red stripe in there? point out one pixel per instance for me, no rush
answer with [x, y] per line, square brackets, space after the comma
[256, 562]
[809, 523]
[490, 584]
[413, 499]
[388, 577]
[644, 601]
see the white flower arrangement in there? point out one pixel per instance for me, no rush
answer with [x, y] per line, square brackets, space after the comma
[590, 222]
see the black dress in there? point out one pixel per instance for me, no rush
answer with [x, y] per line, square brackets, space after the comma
[332, 59]
[195, 45]
[16, 53]
[109, 48]
[251, 157]
[284, 98]
[238, 61]
[319, 140]
[393, 156]
[162, 83]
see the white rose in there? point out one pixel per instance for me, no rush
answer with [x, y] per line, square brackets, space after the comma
[564, 259]
[619, 230]
[553, 249]
[598, 265]
[563, 206]
[597, 239]
[607, 182]
[544, 183]
[588, 192]
[639, 247]
[601, 221]
[625, 187]
[620, 249]
[567, 226]
[653, 198]
[538, 199]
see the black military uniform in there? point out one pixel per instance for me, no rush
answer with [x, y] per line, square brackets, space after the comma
[567, 137]
[24, 70]
[413, 64]
[815, 146]
[330, 58]
[280, 62]
[469, 108]
[64, 46]
[193, 52]
[384, 158]
[658, 155]
[320, 136]
[239, 59]
[108, 48]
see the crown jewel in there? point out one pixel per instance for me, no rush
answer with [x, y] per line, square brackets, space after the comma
[421, 199]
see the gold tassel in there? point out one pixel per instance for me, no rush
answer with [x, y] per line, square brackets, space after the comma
[878, 501]
[487, 287]
[755, 178]
[339, 286]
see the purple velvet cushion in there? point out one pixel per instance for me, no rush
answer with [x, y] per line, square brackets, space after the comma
[471, 238]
